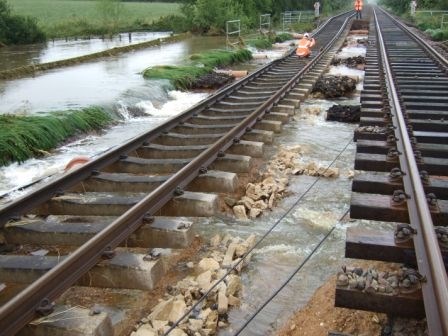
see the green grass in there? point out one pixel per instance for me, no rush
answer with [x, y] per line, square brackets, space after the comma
[266, 41]
[303, 27]
[261, 43]
[23, 137]
[61, 18]
[283, 37]
[183, 77]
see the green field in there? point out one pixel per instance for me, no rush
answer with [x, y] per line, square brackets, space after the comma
[61, 18]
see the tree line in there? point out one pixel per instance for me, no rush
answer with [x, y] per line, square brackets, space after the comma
[16, 29]
[207, 16]
[403, 6]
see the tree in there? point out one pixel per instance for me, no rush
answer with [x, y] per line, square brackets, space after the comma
[207, 15]
[16, 29]
[401, 6]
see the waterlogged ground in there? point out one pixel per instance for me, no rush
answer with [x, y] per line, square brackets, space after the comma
[115, 83]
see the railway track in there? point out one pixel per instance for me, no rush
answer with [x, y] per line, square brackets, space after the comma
[148, 192]
[402, 153]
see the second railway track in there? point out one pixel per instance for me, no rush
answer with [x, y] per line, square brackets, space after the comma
[402, 153]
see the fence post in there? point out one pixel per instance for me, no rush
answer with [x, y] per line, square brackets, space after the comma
[265, 21]
[233, 32]
[442, 24]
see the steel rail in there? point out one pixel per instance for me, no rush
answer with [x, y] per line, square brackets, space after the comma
[22, 308]
[438, 56]
[429, 257]
[20, 206]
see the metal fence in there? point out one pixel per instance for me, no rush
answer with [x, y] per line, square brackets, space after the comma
[444, 21]
[443, 14]
[233, 33]
[265, 22]
[292, 17]
[431, 12]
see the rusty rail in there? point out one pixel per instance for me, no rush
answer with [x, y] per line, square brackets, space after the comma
[39, 295]
[429, 258]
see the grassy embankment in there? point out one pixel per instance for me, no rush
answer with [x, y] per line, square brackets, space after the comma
[183, 77]
[23, 137]
[65, 18]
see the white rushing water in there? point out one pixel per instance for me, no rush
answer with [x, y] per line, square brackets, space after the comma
[17, 175]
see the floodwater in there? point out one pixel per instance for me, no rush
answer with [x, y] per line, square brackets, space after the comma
[56, 50]
[101, 82]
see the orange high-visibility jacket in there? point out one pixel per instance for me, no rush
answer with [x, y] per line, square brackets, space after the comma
[358, 5]
[304, 48]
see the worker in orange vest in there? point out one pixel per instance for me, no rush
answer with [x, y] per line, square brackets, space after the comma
[358, 9]
[305, 45]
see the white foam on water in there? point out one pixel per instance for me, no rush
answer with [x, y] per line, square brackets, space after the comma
[178, 101]
[357, 37]
[343, 70]
[351, 51]
[21, 174]
[16, 175]
[317, 218]
[123, 111]
[314, 110]
[264, 56]
[281, 249]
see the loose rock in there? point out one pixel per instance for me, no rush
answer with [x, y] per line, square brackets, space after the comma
[208, 264]
[233, 285]
[215, 241]
[344, 113]
[351, 62]
[334, 86]
[204, 280]
[240, 212]
[212, 80]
